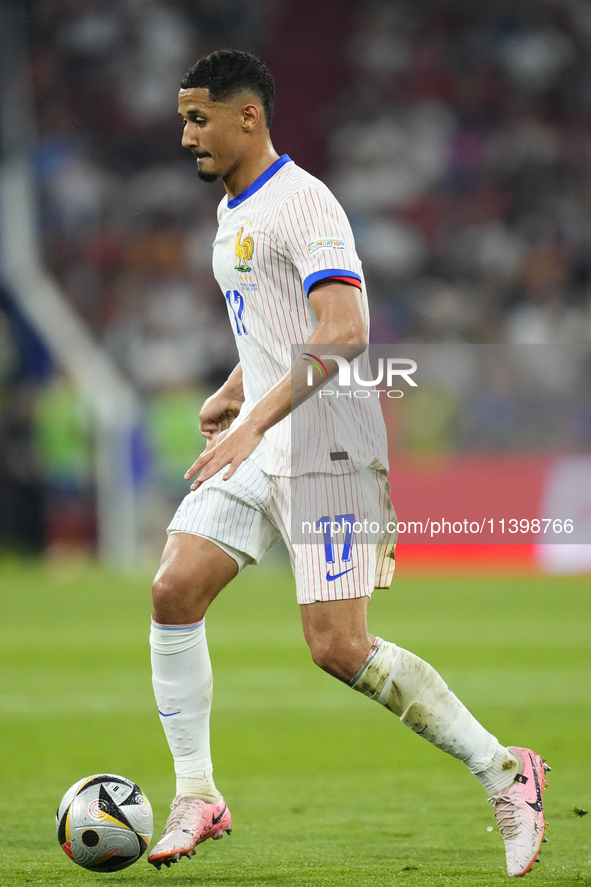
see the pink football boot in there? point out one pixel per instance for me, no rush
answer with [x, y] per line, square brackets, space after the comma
[519, 812]
[191, 822]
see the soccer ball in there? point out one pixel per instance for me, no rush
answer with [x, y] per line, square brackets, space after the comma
[104, 823]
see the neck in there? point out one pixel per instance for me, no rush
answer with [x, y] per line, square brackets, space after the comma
[249, 168]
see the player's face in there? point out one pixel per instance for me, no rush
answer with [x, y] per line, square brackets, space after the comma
[212, 131]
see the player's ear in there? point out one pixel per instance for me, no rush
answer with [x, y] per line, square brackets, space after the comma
[251, 115]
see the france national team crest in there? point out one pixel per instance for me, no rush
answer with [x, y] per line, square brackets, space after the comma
[244, 250]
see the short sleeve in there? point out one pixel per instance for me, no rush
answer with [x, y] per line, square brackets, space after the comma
[317, 237]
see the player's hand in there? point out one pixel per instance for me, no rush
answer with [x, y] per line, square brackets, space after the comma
[217, 414]
[228, 448]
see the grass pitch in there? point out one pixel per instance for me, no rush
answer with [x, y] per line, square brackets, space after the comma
[326, 788]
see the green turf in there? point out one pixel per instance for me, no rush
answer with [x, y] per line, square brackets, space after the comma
[326, 787]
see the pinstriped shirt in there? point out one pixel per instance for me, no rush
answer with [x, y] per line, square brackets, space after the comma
[277, 238]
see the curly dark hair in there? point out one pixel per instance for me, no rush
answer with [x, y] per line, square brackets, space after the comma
[226, 72]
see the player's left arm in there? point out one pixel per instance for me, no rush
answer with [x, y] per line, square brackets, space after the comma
[341, 323]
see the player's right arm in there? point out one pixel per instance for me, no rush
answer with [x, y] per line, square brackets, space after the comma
[219, 411]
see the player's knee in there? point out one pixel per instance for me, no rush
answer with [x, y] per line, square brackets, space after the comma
[340, 655]
[331, 657]
[321, 653]
[163, 591]
[169, 598]
[180, 597]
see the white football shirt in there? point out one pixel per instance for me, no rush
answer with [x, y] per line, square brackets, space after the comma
[277, 238]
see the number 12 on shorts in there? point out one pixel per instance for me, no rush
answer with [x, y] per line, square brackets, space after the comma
[327, 525]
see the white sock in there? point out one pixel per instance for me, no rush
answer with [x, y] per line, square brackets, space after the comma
[501, 772]
[413, 690]
[182, 680]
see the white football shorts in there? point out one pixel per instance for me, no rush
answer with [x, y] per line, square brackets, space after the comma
[324, 519]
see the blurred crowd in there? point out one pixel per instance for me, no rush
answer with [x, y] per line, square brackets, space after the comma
[128, 231]
[462, 149]
[459, 143]
[457, 136]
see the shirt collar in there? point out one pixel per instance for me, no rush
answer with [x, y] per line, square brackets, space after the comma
[258, 183]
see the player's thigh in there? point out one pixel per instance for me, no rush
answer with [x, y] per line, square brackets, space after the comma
[193, 570]
[335, 621]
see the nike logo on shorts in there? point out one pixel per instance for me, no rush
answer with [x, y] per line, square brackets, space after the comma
[170, 715]
[330, 578]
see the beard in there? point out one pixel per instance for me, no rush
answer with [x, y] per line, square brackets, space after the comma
[208, 176]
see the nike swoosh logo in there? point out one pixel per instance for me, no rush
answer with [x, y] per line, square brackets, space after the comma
[170, 715]
[217, 819]
[537, 805]
[330, 578]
